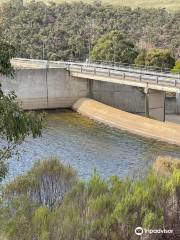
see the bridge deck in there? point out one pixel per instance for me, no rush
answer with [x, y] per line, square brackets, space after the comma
[121, 75]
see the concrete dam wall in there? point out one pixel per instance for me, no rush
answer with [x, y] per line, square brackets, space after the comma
[167, 132]
[126, 98]
[45, 88]
[55, 88]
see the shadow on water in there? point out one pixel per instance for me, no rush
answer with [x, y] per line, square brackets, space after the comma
[86, 145]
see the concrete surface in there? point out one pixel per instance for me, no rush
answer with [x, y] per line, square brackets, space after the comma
[178, 102]
[121, 87]
[155, 105]
[126, 98]
[173, 118]
[167, 132]
[129, 81]
[45, 88]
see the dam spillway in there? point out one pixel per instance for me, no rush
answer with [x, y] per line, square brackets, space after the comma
[55, 86]
[41, 84]
[167, 132]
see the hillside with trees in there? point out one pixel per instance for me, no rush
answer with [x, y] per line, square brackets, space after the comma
[70, 31]
[172, 5]
[114, 47]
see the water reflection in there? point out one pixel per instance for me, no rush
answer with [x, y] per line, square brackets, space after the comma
[86, 145]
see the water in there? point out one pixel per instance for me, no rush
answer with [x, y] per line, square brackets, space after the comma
[87, 145]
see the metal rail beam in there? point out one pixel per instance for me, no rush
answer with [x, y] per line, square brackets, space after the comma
[127, 75]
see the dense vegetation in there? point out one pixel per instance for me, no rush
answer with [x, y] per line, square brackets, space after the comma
[172, 5]
[70, 31]
[161, 58]
[176, 68]
[114, 47]
[49, 202]
[7, 51]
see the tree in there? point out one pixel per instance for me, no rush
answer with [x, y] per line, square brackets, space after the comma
[93, 209]
[176, 68]
[157, 58]
[114, 47]
[160, 58]
[46, 183]
[141, 58]
[7, 51]
[15, 124]
[26, 26]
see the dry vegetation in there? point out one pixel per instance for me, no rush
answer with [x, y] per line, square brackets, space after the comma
[164, 165]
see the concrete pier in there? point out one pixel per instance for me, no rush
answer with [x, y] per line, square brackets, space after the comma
[155, 104]
[178, 103]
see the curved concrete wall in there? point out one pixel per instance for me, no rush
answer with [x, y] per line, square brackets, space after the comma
[168, 132]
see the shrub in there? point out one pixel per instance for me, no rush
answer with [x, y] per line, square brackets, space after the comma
[92, 210]
[176, 68]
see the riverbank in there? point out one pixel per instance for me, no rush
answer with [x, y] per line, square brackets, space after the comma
[167, 132]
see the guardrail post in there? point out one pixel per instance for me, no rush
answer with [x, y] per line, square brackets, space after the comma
[81, 68]
[140, 78]
[175, 82]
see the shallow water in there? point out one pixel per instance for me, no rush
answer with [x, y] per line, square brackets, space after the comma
[87, 145]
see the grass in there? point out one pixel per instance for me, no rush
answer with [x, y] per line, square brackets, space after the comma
[172, 5]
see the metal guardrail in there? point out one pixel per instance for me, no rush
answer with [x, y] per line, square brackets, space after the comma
[123, 72]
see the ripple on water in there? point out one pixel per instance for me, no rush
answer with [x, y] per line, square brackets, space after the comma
[87, 145]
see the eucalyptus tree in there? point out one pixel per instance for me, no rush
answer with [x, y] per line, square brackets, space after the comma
[156, 58]
[114, 47]
[176, 68]
[35, 22]
[15, 124]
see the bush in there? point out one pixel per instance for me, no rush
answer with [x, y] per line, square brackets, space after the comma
[92, 210]
[176, 68]
[157, 58]
[46, 183]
